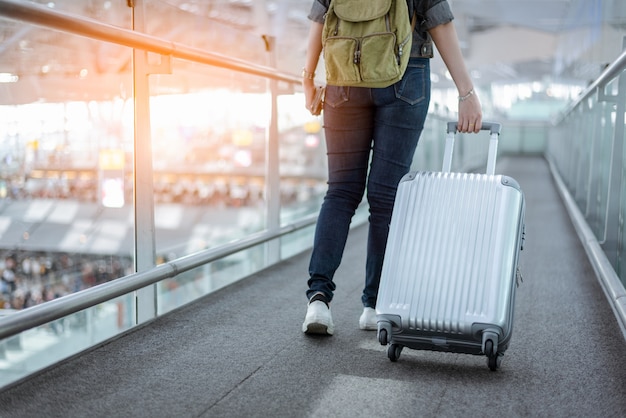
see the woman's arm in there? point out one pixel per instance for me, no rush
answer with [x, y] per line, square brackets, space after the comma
[447, 42]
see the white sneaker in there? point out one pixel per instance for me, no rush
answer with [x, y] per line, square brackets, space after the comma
[368, 321]
[318, 319]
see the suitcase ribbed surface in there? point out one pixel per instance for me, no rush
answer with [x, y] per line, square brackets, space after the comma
[451, 256]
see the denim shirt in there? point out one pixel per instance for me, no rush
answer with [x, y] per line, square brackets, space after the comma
[430, 13]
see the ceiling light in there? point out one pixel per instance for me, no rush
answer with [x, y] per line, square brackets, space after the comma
[8, 78]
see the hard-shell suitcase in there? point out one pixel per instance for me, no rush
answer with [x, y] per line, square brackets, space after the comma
[451, 264]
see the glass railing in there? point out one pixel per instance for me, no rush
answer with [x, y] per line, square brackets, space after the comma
[586, 152]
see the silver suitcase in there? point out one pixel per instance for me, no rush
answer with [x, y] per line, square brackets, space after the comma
[450, 271]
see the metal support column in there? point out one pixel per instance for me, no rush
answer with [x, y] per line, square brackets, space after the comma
[272, 183]
[145, 247]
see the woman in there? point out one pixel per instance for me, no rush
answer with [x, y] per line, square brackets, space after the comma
[371, 136]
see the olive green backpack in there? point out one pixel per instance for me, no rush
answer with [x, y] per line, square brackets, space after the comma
[367, 43]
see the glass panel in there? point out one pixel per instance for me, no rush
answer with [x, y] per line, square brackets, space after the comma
[584, 144]
[209, 133]
[223, 27]
[112, 12]
[595, 161]
[297, 242]
[601, 164]
[613, 189]
[513, 136]
[535, 139]
[66, 134]
[189, 286]
[429, 152]
[43, 346]
[303, 164]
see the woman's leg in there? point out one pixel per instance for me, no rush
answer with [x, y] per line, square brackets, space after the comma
[348, 127]
[399, 120]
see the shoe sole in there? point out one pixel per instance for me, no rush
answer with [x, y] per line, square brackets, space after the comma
[317, 329]
[369, 327]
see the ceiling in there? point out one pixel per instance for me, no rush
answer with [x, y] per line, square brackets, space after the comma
[503, 41]
[507, 40]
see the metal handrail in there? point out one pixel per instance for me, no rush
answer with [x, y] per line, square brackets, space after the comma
[41, 15]
[609, 73]
[66, 305]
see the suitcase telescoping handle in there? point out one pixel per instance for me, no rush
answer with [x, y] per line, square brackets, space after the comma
[493, 128]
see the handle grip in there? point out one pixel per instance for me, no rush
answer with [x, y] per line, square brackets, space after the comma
[492, 127]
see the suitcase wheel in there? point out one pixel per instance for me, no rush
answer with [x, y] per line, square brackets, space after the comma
[494, 359]
[393, 352]
[494, 362]
[382, 337]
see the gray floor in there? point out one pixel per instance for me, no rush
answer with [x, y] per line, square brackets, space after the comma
[240, 352]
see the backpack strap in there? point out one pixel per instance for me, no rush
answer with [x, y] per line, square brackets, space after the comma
[413, 21]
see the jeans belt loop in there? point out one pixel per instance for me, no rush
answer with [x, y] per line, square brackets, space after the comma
[426, 50]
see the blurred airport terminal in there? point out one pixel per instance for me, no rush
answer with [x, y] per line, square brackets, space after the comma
[153, 152]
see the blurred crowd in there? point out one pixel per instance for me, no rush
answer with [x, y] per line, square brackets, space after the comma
[29, 278]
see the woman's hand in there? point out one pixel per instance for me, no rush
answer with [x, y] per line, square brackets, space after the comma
[470, 114]
[308, 86]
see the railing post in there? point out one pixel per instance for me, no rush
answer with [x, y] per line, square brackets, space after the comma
[145, 246]
[272, 182]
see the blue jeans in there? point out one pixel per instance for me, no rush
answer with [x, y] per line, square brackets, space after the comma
[366, 128]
